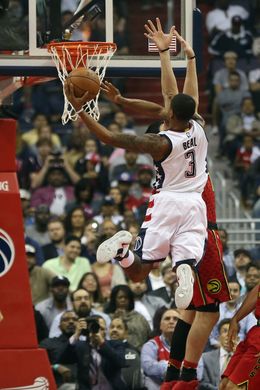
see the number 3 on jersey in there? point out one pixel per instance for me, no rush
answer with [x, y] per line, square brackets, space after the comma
[192, 164]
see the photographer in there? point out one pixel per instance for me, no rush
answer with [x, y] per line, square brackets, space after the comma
[68, 355]
[53, 160]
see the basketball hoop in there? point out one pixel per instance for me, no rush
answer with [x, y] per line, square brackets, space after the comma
[72, 55]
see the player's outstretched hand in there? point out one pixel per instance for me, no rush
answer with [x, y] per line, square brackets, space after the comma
[111, 92]
[76, 102]
[157, 35]
[232, 334]
[185, 45]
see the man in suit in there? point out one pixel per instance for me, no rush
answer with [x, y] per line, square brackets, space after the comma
[213, 363]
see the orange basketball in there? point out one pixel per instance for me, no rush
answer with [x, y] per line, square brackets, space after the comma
[84, 80]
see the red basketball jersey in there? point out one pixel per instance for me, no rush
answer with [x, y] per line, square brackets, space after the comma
[208, 196]
[257, 310]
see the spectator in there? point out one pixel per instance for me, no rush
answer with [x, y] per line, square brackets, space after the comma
[254, 83]
[252, 276]
[227, 310]
[44, 132]
[56, 232]
[227, 103]
[219, 19]
[58, 301]
[90, 283]
[75, 222]
[155, 279]
[156, 352]
[117, 196]
[129, 166]
[90, 240]
[76, 144]
[40, 278]
[83, 192]
[235, 39]
[221, 78]
[109, 211]
[56, 194]
[213, 363]
[109, 275]
[170, 280]
[39, 230]
[145, 303]
[68, 355]
[122, 305]
[38, 250]
[228, 256]
[31, 137]
[81, 302]
[242, 259]
[70, 264]
[28, 217]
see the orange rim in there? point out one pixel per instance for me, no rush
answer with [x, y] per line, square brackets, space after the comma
[91, 48]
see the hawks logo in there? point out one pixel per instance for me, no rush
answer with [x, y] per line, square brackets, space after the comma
[7, 252]
[214, 286]
[138, 243]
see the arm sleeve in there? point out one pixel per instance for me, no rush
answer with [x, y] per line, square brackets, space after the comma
[149, 363]
[115, 355]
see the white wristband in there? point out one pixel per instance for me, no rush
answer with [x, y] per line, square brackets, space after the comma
[127, 261]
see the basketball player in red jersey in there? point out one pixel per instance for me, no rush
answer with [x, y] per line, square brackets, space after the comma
[211, 284]
[243, 370]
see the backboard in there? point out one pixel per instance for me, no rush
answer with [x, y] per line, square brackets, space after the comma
[23, 51]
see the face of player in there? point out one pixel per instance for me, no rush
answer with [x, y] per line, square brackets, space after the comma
[72, 250]
[56, 231]
[117, 330]
[168, 322]
[223, 336]
[81, 303]
[234, 290]
[122, 301]
[252, 278]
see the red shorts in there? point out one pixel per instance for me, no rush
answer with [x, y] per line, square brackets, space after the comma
[211, 285]
[244, 366]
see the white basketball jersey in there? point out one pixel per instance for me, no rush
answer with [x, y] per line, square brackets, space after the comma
[185, 168]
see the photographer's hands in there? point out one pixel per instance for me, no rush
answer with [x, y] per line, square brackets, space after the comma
[80, 325]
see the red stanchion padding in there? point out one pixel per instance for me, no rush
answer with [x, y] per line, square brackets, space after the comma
[7, 145]
[25, 369]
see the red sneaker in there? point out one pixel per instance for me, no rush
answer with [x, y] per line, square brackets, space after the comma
[168, 385]
[182, 385]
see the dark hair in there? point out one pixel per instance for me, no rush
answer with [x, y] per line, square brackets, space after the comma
[183, 106]
[253, 264]
[97, 295]
[111, 308]
[157, 320]
[234, 73]
[68, 224]
[242, 251]
[81, 185]
[223, 322]
[55, 219]
[68, 239]
[117, 317]
[154, 128]
[233, 279]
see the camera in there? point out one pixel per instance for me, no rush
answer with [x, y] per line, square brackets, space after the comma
[57, 160]
[92, 326]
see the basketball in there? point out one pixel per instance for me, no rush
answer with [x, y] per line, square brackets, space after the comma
[85, 80]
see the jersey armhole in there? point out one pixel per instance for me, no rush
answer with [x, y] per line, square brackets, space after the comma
[170, 150]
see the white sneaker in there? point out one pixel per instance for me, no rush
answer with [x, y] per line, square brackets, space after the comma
[184, 292]
[115, 246]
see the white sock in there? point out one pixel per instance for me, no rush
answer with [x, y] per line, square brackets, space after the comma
[127, 261]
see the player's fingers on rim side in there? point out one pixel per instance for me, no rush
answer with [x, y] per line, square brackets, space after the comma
[148, 29]
[152, 26]
[158, 23]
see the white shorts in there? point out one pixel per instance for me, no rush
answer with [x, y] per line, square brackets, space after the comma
[176, 224]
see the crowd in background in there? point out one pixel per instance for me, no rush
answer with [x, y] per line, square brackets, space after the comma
[100, 329]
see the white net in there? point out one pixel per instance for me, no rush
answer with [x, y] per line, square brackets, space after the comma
[93, 56]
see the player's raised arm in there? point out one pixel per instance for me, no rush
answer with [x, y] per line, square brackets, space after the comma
[163, 41]
[158, 147]
[147, 108]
